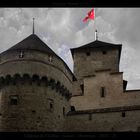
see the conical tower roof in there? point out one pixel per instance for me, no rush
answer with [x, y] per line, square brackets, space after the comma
[32, 42]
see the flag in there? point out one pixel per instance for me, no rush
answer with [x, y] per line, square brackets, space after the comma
[90, 15]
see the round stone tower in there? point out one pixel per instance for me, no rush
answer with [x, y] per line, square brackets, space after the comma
[35, 87]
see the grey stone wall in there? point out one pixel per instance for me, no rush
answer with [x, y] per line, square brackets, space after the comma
[32, 112]
[35, 62]
[103, 122]
[86, 65]
[39, 84]
[113, 96]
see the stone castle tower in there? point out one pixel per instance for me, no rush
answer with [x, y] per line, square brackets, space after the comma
[38, 91]
[35, 87]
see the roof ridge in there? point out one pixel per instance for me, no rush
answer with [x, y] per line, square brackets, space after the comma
[96, 42]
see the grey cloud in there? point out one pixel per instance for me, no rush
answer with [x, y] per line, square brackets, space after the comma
[62, 28]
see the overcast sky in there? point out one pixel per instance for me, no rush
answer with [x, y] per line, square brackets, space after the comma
[62, 29]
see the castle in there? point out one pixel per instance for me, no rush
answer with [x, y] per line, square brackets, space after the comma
[38, 91]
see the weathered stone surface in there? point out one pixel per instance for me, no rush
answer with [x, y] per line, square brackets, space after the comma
[36, 90]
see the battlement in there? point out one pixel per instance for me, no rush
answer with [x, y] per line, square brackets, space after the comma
[18, 79]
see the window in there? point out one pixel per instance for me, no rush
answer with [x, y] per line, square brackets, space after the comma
[123, 114]
[33, 111]
[13, 100]
[72, 108]
[50, 58]
[102, 91]
[21, 55]
[90, 117]
[82, 88]
[104, 52]
[63, 111]
[88, 53]
[50, 104]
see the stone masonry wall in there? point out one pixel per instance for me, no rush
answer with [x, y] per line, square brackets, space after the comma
[32, 112]
[113, 96]
[104, 122]
[35, 62]
[86, 65]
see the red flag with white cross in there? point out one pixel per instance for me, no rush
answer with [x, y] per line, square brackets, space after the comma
[90, 15]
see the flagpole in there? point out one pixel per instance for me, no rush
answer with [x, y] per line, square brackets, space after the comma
[96, 36]
[95, 24]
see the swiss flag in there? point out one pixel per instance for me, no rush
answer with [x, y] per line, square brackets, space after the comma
[90, 15]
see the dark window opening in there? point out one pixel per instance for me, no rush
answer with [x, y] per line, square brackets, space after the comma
[88, 53]
[82, 88]
[90, 117]
[51, 106]
[102, 91]
[13, 100]
[72, 108]
[63, 111]
[33, 111]
[123, 114]
[104, 52]
[21, 55]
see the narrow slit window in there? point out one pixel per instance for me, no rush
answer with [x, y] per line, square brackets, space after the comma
[21, 55]
[50, 105]
[50, 58]
[82, 88]
[102, 91]
[63, 111]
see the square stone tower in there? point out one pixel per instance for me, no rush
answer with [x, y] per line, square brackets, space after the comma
[96, 67]
[94, 56]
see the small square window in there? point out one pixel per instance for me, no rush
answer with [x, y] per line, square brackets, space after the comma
[123, 114]
[13, 100]
[33, 111]
[72, 108]
[88, 53]
[104, 52]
